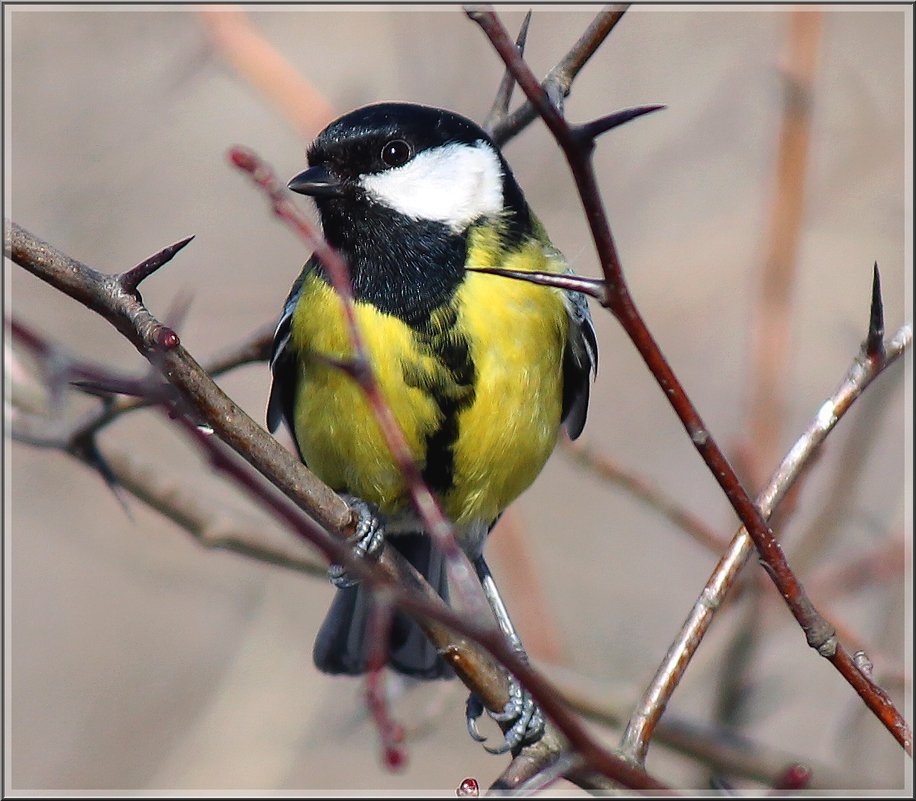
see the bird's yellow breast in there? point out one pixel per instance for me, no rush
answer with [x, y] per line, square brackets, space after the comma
[507, 421]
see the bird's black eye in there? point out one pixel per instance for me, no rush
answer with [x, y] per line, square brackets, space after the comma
[396, 152]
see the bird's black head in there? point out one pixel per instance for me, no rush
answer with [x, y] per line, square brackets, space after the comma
[397, 186]
[424, 163]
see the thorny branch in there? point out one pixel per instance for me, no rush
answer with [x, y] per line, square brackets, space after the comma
[722, 748]
[577, 143]
[650, 709]
[160, 345]
[359, 368]
[503, 126]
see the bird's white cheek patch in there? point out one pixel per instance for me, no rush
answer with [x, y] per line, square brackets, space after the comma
[453, 184]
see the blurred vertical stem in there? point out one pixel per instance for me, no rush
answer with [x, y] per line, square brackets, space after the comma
[233, 36]
[771, 342]
[771, 333]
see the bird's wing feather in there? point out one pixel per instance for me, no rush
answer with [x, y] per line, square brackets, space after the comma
[580, 363]
[282, 362]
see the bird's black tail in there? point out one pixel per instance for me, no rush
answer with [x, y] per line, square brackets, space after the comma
[341, 645]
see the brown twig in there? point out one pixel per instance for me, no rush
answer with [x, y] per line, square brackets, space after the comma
[391, 733]
[577, 143]
[649, 711]
[186, 510]
[500, 108]
[250, 350]
[723, 749]
[559, 80]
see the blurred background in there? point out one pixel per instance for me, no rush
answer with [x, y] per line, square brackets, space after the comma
[137, 660]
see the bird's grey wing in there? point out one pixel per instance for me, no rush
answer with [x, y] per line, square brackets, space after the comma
[580, 363]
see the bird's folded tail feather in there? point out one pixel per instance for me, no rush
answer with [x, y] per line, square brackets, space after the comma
[342, 645]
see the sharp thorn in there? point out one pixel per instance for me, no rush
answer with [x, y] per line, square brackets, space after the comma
[874, 343]
[131, 279]
[594, 129]
[98, 389]
[93, 457]
[522, 38]
[500, 107]
[593, 287]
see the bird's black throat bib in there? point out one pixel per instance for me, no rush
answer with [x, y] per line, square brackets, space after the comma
[402, 266]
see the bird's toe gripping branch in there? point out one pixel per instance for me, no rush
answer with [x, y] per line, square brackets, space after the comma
[523, 716]
[367, 541]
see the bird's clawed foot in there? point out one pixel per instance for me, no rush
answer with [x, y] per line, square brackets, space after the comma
[367, 541]
[521, 712]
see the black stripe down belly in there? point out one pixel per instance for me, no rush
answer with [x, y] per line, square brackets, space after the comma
[450, 385]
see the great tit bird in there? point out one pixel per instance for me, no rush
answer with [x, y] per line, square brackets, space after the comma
[480, 370]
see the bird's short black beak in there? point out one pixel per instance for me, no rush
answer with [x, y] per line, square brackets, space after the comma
[316, 181]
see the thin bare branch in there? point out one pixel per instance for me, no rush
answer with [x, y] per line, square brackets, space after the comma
[559, 80]
[463, 581]
[849, 465]
[206, 526]
[500, 107]
[593, 287]
[723, 749]
[378, 629]
[650, 709]
[252, 349]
